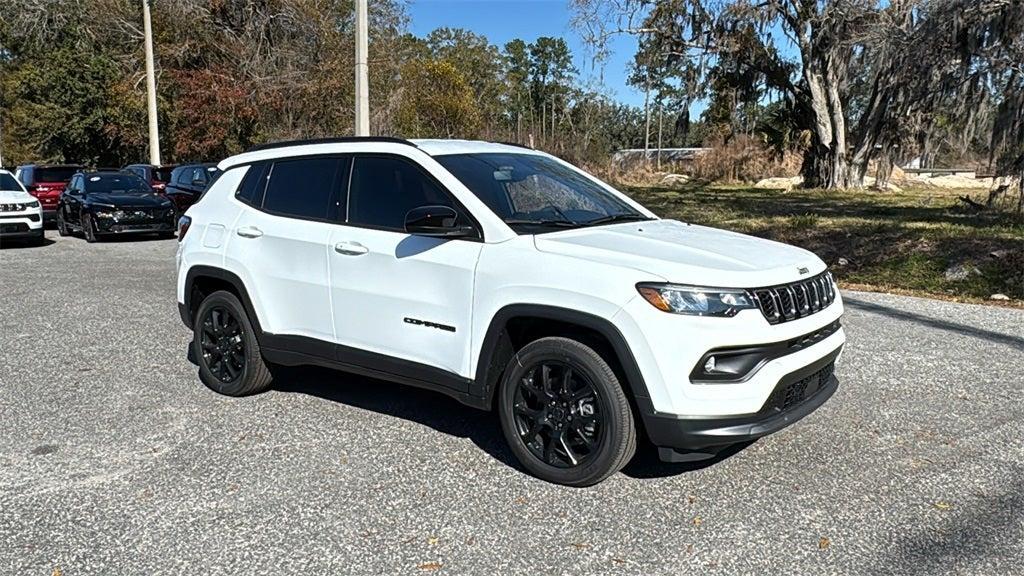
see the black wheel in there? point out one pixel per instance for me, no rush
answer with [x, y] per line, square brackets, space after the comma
[38, 239]
[89, 229]
[564, 413]
[225, 347]
[62, 225]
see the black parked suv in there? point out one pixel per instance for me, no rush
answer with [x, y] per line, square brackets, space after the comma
[187, 184]
[100, 204]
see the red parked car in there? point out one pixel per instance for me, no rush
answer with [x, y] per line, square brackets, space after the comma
[46, 182]
[157, 176]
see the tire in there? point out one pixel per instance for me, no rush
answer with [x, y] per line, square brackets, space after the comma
[225, 347]
[38, 239]
[89, 230]
[62, 225]
[550, 428]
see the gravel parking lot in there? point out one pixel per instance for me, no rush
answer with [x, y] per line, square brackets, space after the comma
[115, 459]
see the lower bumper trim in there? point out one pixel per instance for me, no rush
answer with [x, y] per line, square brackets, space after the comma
[711, 434]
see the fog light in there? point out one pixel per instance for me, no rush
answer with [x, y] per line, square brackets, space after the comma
[709, 366]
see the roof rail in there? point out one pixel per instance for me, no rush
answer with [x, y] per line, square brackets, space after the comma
[337, 140]
[517, 145]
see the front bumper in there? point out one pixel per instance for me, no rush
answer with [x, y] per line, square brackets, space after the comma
[21, 224]
[796, 395]
[115, 226]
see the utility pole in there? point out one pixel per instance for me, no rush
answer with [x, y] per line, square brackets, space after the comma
[154, 129]
[362, 76]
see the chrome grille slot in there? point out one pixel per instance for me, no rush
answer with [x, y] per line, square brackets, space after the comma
[797, 299]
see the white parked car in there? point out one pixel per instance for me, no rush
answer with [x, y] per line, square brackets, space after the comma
[509, 280]
[21, 215]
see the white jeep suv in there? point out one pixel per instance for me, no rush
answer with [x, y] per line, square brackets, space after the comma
[21, 215]
[509, 280]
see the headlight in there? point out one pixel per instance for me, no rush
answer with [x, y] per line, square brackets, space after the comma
[696, 300]
[110, 214]
[33, 204]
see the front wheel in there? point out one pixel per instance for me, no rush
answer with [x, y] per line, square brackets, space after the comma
[225, 347]
[89, 229]
[62, 225]
[564, 414]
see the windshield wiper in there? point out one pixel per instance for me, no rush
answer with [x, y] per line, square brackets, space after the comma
[624, 217]
[560, 223]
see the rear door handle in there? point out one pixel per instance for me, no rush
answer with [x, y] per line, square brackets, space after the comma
[350, 248]
[249, 232]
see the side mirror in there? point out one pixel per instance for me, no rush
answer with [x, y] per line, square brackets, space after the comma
[436, 221]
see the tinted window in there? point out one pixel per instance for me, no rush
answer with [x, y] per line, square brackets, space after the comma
[250, 190]
[162, 174]
[304, 188]
[55, 173]
[8, 182]
[384, 189]
[116, 183]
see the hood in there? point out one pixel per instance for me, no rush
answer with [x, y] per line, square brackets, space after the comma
[15, 196]
[147, 200]
[686, 253]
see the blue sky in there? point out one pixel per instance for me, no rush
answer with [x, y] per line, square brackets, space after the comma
[504, 20]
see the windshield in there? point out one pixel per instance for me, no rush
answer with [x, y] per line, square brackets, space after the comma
[529, 191]
[8, 182]
[54, 174]
[119, 183]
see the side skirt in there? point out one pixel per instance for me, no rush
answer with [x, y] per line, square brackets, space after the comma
[301, 350]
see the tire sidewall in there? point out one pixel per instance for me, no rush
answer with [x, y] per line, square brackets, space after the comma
[229, 301]
[612, 425]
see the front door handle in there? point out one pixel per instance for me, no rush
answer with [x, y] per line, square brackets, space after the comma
[350, 248]
[249, 232]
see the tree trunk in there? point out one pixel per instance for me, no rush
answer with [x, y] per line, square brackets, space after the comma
[825, 161]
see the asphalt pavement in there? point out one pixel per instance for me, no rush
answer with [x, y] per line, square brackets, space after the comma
[115, 459]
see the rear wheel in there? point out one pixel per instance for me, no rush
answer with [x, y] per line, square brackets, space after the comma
[225, 347]
[564, 413]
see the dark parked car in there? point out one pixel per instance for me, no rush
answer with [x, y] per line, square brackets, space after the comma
[46, 182]
[157, 176]
[102, 204]
[188, 182]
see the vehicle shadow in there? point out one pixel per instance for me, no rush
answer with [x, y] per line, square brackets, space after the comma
[646, 463]
[24, 244]
[448, 416]
[432, 409]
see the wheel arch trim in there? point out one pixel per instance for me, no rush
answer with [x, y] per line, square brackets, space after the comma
[204, 271]
[496, 349]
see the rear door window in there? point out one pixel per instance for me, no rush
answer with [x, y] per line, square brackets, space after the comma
[307, 188]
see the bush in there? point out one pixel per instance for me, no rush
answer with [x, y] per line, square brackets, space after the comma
[743, 159]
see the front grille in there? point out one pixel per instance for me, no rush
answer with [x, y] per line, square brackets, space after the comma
[13, 207]
[797, 299]
[789, 395]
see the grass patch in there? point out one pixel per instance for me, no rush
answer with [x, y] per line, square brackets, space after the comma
[891, 240]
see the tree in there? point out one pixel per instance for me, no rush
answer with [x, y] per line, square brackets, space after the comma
[863, 65]
[438, 101]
